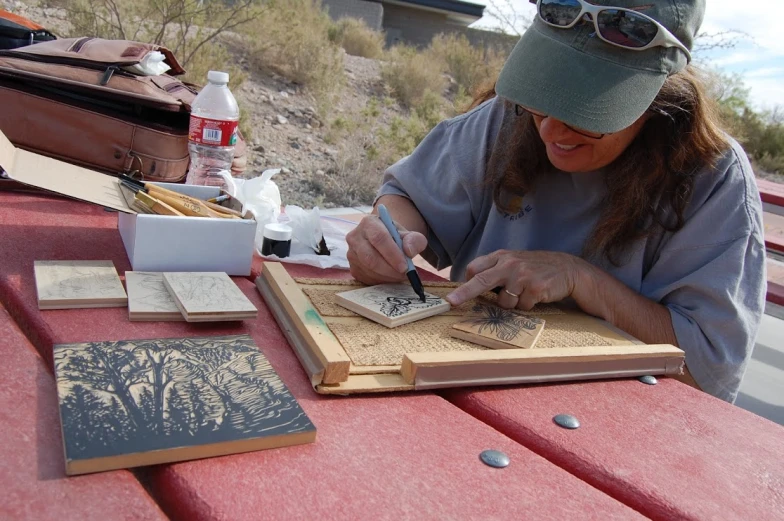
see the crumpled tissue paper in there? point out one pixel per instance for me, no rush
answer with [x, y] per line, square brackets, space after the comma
[151, 65]
[261, 197]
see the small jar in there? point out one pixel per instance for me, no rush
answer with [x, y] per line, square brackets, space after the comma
[277, 240]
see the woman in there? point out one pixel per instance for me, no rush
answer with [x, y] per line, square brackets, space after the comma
[598, 174]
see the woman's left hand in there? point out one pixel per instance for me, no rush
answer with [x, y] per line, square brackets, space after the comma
[526, 278]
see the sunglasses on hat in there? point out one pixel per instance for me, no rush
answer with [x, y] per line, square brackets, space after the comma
[615, 25]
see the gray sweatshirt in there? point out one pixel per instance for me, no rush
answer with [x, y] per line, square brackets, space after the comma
[710, 274]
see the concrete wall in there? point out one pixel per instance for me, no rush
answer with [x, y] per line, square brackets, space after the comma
[414, 26]
[480, 38]
[410, 25]
[418, 27]
[371, 12]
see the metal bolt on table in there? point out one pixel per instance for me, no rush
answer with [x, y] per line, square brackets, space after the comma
[494, 458]
[567, 421]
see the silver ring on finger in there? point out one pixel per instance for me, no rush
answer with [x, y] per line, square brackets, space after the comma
[515, 295]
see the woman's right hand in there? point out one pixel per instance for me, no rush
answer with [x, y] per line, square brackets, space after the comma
[374, 257]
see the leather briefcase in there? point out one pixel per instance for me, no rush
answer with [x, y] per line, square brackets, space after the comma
[75, 100]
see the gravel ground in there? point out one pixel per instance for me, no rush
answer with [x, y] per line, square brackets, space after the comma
[287, 132]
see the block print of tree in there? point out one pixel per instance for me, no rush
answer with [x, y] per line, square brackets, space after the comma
[119, 397]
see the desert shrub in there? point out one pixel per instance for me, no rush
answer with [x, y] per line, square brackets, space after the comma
[760, 132]
[355, 176]
[291, 37]
[215, 57]
[357, 39]
[191, 29]
[338, 128]
[409, 74]
[404, 133]
[772, 164]
[246, 122]
[368, 140]
[469, 66]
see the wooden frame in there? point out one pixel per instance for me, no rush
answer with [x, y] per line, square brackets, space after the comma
[332, 372]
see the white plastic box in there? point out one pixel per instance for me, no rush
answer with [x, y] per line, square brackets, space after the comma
[153, 242]
[169, 243]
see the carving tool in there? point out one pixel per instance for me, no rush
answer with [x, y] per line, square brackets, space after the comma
[140, 207]
[219, 199]
[145, 202]
[411, 273]
[157, 206]
[219, 208]
[184, 204]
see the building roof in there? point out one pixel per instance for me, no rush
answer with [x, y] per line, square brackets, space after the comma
[457, 10]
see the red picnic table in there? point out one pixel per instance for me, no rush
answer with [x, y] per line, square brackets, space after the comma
[663, 452]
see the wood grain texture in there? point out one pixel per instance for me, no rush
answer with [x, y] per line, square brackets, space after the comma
[391, 305]
[208, 297]
[78, 284]
[567, 352]
[546, 355]
[497, 328]
[183, 203]
[373, 369]
[156, 205]
[669, 359]
[317, 337]
[367, 383]
[149, 299]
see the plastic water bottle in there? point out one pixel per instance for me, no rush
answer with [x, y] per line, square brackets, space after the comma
[212, 132]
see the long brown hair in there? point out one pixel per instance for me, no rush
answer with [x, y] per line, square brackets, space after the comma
[649, 185]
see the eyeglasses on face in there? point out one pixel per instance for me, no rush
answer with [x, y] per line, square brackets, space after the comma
[615, 25]
[520, 110]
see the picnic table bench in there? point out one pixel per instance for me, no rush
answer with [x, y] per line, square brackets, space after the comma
[665, 451]
[772, 195]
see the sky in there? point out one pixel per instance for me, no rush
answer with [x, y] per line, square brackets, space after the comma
[758, 60]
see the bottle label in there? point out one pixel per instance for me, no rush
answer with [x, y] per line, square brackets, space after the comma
[205, 131]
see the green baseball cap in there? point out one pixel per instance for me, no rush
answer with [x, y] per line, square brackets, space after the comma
[575, 77]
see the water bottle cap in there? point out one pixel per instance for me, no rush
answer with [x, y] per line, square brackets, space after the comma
[218, 77]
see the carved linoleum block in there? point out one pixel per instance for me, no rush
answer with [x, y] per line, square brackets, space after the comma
[391, 305]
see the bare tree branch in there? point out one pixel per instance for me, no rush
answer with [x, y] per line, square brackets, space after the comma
[184, 26]
[509, 18]
[229, 24]
[720, 40]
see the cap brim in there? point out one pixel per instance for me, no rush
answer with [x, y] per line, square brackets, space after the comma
[577, 88]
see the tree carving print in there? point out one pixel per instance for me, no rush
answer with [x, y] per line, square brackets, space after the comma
[504, 324]
[125, 397]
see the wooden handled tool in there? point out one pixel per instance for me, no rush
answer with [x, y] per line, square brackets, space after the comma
[186, 204]
[219, 208]
[156, 205]
[182, 203]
